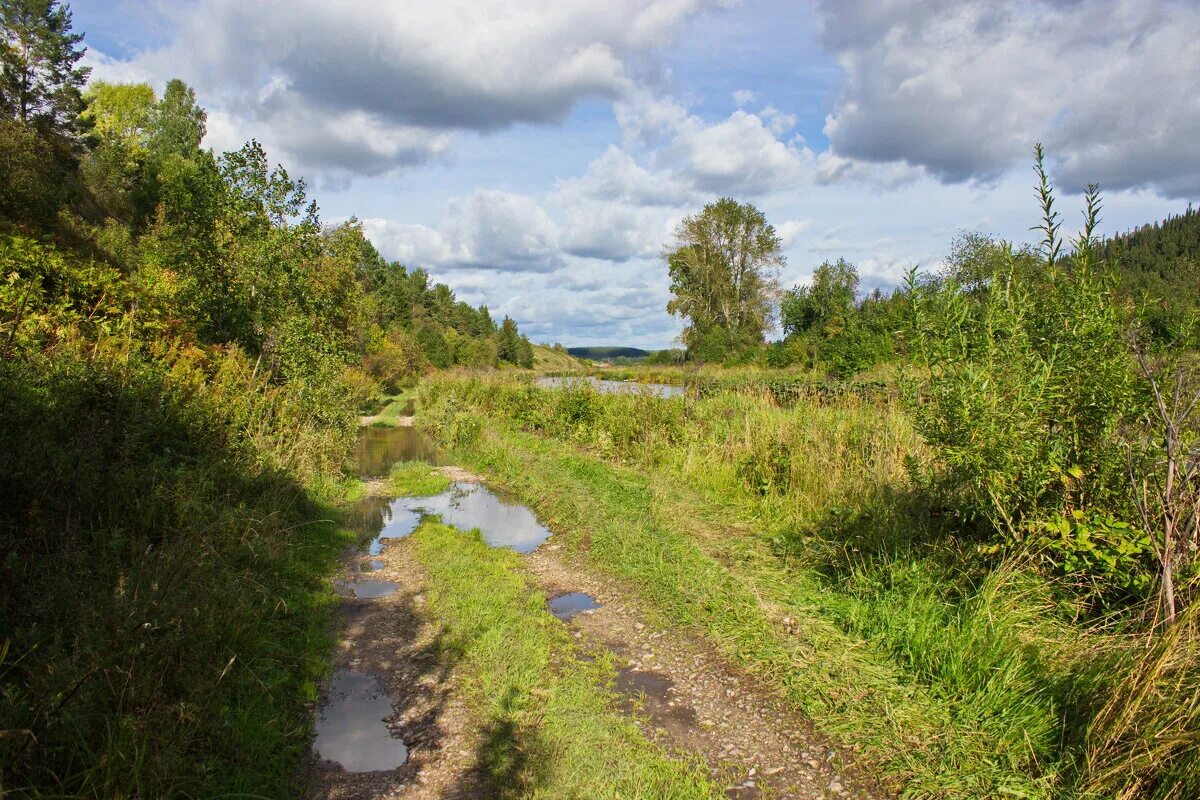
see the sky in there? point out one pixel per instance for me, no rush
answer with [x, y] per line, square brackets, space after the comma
[536, 156]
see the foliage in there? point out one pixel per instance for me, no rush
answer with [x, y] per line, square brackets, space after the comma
[723, 265]
[795, 540]
[1029, 383]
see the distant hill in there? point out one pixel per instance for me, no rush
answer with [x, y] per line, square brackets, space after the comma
[1159, 267]
[607, 353]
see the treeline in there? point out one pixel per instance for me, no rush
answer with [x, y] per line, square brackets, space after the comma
[185, 348]
[831, 325]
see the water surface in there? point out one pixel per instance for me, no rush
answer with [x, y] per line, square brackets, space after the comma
[614, 387]
[379, 449]
[566, 606]
[350, 727]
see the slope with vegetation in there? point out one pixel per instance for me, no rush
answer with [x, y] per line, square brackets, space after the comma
[184, 350]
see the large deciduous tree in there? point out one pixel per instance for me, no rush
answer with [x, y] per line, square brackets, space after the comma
[724, 268]
[40, 78]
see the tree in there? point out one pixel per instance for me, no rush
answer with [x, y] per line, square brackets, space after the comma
[510, 342]
[826, 304]
[723, 267]
[40, 80]
[179, 122]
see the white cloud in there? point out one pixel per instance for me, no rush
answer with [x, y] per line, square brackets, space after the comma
[964, 89]
[488, 230]
[368, 87]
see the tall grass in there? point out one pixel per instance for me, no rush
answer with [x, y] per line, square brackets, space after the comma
[824, 516]
[164, 540]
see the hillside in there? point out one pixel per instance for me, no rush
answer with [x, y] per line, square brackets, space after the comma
[548, 358]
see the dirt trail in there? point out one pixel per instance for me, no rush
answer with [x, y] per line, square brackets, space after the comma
[393, 639]
[685, 694]
[694, 702]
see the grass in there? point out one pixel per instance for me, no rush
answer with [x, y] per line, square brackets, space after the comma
[416, 479]
[164, 603]
[394, 407]
[795, 541]
[547, 358]
[550, 727]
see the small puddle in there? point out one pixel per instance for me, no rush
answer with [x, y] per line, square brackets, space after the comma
[614, 387]
[367, 589]
[350, 727]
[566, 606]
[374, 565]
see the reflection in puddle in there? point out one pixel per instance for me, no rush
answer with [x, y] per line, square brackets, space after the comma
[373, 588]
[615, 387]
[378, 449]
[374, 565]
[566, 606]
[465, 506]
[470, 505]
[350, 727]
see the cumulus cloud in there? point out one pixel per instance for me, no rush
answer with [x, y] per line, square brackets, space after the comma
[488, 229]
[964, 89]
[364, 88]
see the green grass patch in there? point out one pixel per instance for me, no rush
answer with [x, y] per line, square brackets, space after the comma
[416, 479]
[550, 729]
[394, 407]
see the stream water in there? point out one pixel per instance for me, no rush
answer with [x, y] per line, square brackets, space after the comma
[615, 387]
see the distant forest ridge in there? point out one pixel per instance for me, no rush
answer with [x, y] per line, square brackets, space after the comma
[604, 353]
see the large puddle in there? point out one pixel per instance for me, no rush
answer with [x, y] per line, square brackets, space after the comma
[465, 506]
[380, 448]
[615, 387]
[350, 726]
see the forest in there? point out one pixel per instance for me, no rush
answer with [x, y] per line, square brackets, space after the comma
[951, 526]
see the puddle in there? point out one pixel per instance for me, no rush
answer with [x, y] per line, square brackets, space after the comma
[367, 589]
[472, 505]
[615, 387]
[374, 565]
[566, 606]
[350, 727]
[378, 449]
[465, 506]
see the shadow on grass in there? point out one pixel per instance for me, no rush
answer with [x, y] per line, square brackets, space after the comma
[511, 759]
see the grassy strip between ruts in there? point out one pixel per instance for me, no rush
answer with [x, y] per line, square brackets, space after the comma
[416, 479]
[656, 539]
[549, 726]
[394, 407]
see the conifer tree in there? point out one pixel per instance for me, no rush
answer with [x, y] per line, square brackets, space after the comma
[41, 81]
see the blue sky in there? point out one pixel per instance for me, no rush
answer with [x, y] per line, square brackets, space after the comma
[536, 155]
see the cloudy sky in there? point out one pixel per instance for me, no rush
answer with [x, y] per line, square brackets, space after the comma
[535, 154]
